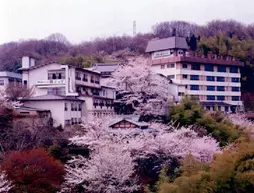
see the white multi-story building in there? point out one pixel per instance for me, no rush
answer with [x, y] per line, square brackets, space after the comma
[70, 93]
[214, 81]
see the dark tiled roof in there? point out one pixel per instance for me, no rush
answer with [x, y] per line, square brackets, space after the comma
[167, 43]
[23, 108]
[105, 67]
[52, 97]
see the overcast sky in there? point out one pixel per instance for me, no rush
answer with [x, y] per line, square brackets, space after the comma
[81, 20]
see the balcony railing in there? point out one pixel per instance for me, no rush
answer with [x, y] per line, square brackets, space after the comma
[51, 82]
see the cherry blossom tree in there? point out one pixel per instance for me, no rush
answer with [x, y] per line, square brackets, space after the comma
[5, 185]
[145, 90]
[110, 169]
[117, 152]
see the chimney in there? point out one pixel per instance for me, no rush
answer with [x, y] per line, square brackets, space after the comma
[32, 62]
[25, 62]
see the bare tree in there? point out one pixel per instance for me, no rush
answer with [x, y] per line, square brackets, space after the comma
[17, 91]
[58, 37]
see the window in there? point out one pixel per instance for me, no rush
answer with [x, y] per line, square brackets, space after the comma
[222, 68]
[211, 88]
[194, 77]
[85, 78]
[162, 66]
[220, 88]
[180, 93]
[235, 89]
[210, 78]
[209, 67]
[25, 82]
[226, 108]
[210, 97]
[72, 106]
[185, 76]
[56, 91]
[194, 87]
[220, 98]
[67, 122]
[235, 98]
[234, 69]
[195, 67]
[56, 75]
[235, 79]
[185, 65]
[171, 65]
[79, 107]
[97, 80]
[171, 76]
[92, 79]
[78, 76]
[72, 121]
[65, 106]
[1, 82]
[220, 79]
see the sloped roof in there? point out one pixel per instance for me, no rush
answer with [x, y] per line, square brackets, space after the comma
[24, 108]
[166, 43]
[51, 97]
[105, 67]
[131, 120]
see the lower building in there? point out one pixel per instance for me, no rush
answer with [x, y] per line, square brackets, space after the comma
[65, 110]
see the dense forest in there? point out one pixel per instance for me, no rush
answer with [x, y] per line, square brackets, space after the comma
[217, 37]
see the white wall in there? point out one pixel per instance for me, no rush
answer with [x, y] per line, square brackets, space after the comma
[56, 108]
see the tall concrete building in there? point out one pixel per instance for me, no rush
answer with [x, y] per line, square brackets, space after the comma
[70, 93]
[214, 80]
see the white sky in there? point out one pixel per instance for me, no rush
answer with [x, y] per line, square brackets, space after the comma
[81, 20]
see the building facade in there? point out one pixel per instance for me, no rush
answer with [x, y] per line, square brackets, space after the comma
[70, 93]
[214, 81]
[6, 78]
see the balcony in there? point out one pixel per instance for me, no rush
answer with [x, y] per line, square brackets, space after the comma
[50, 83]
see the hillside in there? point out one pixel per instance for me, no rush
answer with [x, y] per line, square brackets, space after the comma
[222, 38]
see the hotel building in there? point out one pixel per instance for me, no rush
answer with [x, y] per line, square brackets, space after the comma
[215, 81]
[70, 93]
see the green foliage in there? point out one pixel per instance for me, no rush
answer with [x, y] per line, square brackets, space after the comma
[190, 112]
[230, 172]
[187, 112]
[82, 61]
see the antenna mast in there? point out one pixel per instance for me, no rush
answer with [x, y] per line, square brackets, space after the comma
[134, 28]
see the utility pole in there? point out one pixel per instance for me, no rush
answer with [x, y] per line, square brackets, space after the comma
[134, 28]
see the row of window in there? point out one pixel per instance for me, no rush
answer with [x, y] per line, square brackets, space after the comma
[102, 103]
[84, 77]
[221, 98]
[102, 114]
[73, 121]
[57, 91]
[210, 68]
[74, 106]
[168, 66]
[56, 75]
[215, 88]
[211, 78]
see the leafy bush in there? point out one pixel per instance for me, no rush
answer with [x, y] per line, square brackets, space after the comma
[189, 112]
[230, 172]
[33, 171]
